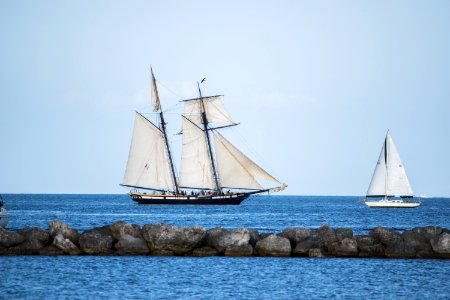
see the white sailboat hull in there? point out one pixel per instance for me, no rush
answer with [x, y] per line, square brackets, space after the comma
[386, 203]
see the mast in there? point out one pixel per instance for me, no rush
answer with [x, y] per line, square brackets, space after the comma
[163, 128]
[386, 166]
[172, 168]
[205, 129]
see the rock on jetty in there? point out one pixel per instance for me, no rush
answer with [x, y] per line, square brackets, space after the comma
[121, 238]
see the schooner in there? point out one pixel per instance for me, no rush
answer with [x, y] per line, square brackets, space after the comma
[212, 169]
[389, 181]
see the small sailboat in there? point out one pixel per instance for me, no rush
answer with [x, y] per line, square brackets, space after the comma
[389, 180]
[212, 170]
[3, 215]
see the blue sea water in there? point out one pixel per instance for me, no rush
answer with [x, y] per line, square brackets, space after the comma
[32, 277]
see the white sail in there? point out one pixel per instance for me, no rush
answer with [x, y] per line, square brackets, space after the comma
[397, 181]
[148, 165]
[235, 169]
[214, 109]
[389, 177]
[155, 96]
[195, 167]
[377, 186]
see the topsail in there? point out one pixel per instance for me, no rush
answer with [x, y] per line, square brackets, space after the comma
[214, 109]
[155, 95]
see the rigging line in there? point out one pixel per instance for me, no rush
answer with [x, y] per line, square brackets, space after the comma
[172, 108]
[175, 94]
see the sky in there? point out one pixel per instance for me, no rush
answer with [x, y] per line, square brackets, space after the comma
[315, 85]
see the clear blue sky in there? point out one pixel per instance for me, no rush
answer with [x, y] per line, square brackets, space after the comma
[314, 84]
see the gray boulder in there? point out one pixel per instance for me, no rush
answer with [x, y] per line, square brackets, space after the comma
[345, 247]
[419, 243]
[179, 240]
[385, 236]
[325, 237]
[398, 249]
[296, 234]
[317, 253]
[121, 228]
[51, 251]
[65, 245]
[239, 250]
[162, 252]
[223, 239]
[28, 247]
[96, 241]
[131, 245]
[57, 227]
[343, 233]
[10, 238]
[34, 233]
[212, 235]
[302, 248]
[205, 251]
[273, 245]
[441, 245]
[369, 246]
[35, 240]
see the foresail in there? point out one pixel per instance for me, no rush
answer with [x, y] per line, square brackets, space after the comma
[195, 166]
[377, 185]
[397, 181]
[214, 109]
[155, 96]
[147, 164]
[235, 169]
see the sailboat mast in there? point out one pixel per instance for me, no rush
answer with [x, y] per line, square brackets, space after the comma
[172, 168]
[386, 166]
[205, 129]
[163, 128]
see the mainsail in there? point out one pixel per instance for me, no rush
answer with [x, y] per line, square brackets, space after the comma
[195, 167]
[389, 177]
[148, 164]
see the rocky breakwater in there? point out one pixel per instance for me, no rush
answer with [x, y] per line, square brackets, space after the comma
[121, 238]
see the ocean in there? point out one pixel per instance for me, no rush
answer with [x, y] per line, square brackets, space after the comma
[114, 277]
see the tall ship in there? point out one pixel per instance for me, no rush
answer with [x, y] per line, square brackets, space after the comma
[390, 187]
[212, 170]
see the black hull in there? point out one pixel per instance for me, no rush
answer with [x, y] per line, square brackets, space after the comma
[188, 200]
